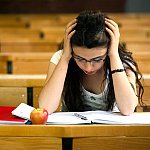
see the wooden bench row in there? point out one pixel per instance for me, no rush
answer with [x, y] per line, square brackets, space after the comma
[41, 46]
[39, 20]
[45, 46]
[123, 23]
[143, 61]
[55, 36]
[37, 63]
[136, 47]
[135, 35]
[15, 89]
[66, 16]
[24, 63]
[28, 46]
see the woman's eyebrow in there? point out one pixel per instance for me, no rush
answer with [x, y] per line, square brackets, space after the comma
[78, 56]
[91, 58]
[100, 56]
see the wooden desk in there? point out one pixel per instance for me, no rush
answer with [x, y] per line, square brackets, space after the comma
[143, 61]
[30, 137]
[84, 137]
[130, 35]
[28, 46]
[146, 96]
[138, 47]
[15, 89]
[26, 88]
[26, 63]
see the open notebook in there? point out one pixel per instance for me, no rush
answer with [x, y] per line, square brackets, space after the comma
[88, 117]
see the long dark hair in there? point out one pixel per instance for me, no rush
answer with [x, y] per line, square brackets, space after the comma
[90, 33]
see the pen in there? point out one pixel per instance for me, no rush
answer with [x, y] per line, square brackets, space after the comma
[80, 116]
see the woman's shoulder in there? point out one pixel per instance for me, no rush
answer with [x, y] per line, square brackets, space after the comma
[56, 57]
[57, 53]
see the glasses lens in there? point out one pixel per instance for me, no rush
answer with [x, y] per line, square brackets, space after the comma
[94, 60]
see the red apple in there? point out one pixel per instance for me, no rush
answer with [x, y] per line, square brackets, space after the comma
[39, 116]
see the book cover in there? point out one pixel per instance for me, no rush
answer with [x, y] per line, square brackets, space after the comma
[6, 116]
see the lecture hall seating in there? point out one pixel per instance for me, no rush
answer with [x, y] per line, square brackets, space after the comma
[22, 36]
[25, 63]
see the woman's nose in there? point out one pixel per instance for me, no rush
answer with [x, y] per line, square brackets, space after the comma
[88, 66]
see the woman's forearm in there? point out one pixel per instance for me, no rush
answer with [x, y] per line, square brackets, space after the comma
[50, 95]
[125, 95]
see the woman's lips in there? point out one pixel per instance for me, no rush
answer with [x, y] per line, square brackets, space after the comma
[89, 73]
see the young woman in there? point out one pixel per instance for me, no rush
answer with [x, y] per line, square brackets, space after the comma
[93, 71]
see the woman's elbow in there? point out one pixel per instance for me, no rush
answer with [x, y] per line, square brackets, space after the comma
[49, 107]
[129, 109]
[127, 112]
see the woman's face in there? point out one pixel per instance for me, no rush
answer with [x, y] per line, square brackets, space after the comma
[89, 60]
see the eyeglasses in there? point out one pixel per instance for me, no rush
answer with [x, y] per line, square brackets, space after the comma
[95, 60]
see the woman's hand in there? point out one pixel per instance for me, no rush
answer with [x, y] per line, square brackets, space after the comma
[113, 30]
[67, 36]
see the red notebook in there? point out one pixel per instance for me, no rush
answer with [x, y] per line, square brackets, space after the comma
[6, 116]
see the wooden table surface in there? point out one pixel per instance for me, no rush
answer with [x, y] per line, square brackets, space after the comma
[76, 130]
[75, 137]
[22, 80]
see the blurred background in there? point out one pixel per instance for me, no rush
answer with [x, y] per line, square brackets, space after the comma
[72, 6]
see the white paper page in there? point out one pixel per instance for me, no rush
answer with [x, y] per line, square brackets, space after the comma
[137, 118]
[65, 118]
[110, 117]
[23, 111]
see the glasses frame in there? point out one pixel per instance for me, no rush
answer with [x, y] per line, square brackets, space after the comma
[92, 61]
